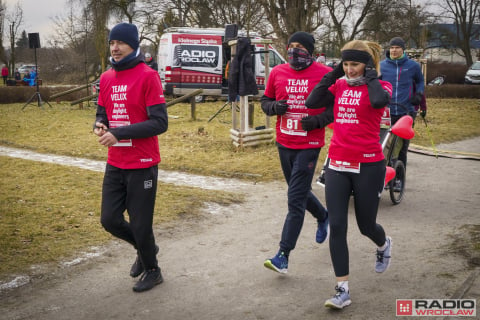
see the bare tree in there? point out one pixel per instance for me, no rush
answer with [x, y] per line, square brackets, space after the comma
[346, 19]
[289, 16]
[122, 8]
[22, 41]
[15, 21]
[154, 16]
[182, 9]
[100, 12]
[247, 14]
[464, 13]
[397, 19]
[3, 10]
[150, 19]
[74, 44]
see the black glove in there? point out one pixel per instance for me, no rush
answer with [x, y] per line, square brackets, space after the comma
[416, 99]
[309, 123]
[280, 107]
[338, 71]
[370, 71]
[423, 113]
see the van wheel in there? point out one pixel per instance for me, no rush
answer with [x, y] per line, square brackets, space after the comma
[199, 99]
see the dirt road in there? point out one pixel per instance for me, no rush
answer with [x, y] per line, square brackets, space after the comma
[213, 266]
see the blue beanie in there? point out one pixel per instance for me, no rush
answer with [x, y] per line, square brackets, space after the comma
[305, 39]
[397, 41]
[127, 33]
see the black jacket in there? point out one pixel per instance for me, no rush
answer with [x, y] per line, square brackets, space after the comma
[241, 78]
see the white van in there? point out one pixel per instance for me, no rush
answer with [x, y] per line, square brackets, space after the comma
[194, 58]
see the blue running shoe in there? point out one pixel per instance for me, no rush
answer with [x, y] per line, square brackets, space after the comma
[279, 263]
[340, 300]
[383, 257]
[322, 230]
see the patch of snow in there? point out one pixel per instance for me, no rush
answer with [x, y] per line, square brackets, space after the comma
[15, 283]
[172, 177]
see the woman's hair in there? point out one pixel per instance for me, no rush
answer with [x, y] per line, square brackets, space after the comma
[372, 48]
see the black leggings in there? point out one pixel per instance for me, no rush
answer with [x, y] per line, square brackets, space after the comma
[367, 187]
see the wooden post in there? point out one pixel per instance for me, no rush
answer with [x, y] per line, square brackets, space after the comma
[251, 113]
[189, 96]
[234, 116]
[243, 113]
[193, 108]
[267, 73]
[423, 64]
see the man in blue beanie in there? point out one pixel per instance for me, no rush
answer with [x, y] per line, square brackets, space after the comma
[407, 81]
[131, 113]
[127, 33]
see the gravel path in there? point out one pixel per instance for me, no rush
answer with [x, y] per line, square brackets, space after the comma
[213, 265]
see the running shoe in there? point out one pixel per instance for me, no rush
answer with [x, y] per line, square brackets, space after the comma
[137, 266]
[383, 257]
[148, 280]
[340, 300]
[322, 230]
[279, 263]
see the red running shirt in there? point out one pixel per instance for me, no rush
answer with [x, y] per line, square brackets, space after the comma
[356, 125]
[284, 83]
[126, 95]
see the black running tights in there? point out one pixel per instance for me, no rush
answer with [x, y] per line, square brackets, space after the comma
[366, 187]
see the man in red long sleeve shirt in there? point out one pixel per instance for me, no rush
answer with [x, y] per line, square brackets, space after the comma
[131, 113]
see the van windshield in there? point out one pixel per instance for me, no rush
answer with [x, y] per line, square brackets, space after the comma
[196, 56]
[274, 59]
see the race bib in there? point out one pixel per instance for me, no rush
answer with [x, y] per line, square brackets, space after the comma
[385, 123]
[290, 124]
[344, 166]
[120, 123]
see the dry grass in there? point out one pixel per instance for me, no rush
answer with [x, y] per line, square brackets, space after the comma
[449, 120]
[49, 212]
[199, 146]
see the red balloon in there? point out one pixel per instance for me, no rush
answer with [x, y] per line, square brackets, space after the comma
[389, 175]
[403, 128]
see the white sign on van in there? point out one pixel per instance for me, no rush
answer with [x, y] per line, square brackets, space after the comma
[196, 56]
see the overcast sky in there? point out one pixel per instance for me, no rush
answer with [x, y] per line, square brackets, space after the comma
[38, 14]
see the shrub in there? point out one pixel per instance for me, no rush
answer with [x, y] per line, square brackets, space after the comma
[453, 91]
[454, 72]
[19, 94]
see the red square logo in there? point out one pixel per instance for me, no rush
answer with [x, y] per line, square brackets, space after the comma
[404, 308]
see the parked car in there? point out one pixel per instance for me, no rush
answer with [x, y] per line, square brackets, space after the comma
[473, 74]
[26, 67]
